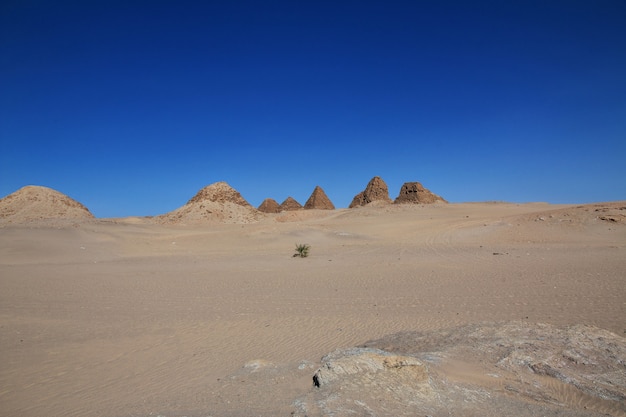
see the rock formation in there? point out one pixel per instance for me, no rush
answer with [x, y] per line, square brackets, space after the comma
[414, 192]
[290, 204]
[350, 364]
[218, 202]
[38, 203]
[376, 190]
[490, 370]
[269, 205]
[319, 200]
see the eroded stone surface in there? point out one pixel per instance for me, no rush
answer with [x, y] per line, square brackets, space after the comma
[489, 370]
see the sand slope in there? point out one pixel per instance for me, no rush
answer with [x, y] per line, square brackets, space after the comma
[127, 318]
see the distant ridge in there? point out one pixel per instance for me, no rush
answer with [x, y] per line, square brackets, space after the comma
[218, 203]
[33, 202]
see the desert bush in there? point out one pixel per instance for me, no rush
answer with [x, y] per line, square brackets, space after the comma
[302, 250]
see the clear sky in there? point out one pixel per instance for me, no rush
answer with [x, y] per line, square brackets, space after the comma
[131, 107]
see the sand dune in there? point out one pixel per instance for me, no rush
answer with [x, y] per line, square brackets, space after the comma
[126, 317]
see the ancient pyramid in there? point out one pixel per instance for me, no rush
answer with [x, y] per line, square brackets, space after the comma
[269, 205]
[319, 200]
[38, 203]
[219, 192]
[218, 202]
[376, 190]
[290, 204]
[414, 192]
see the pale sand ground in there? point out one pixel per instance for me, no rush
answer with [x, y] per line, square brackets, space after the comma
[126, 318]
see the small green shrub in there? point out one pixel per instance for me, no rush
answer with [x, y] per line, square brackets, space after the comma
[302, 250]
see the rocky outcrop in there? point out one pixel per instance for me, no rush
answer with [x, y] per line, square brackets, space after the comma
[269, 205]
[376, 190]
[33, 202]
[415, 193]
[218, 202]
[345, 366]
[319, 200]
[490, 370]
[290, 204]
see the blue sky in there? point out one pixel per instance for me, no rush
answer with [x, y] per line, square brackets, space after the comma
[132, 107]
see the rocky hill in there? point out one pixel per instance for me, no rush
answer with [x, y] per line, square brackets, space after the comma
[32, 203]
[218, 202]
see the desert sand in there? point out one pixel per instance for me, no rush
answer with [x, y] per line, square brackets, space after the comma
[136, 317]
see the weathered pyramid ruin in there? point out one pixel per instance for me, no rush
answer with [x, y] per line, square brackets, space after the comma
[290, 204]
[376, 190]
[33, 203]
[319, 200]
[415, 193]
[269, 205]
[218, 202]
